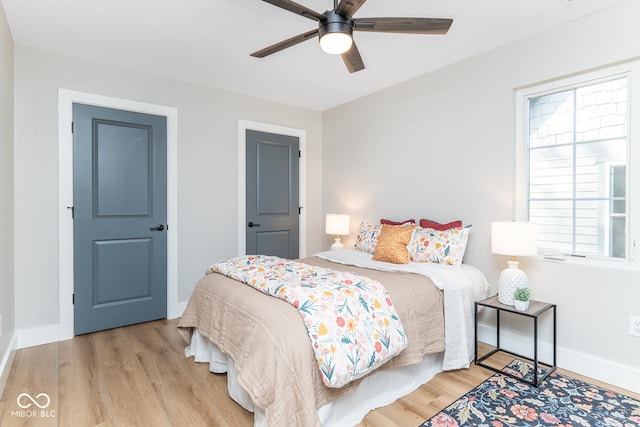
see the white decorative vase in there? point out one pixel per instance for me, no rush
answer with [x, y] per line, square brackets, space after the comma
[521, 305]
[510, 279]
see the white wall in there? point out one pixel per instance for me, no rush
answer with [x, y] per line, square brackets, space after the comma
[441, 146]
[207, 169]
[6, 190]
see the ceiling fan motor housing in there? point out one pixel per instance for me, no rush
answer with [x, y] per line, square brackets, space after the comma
[334, 23]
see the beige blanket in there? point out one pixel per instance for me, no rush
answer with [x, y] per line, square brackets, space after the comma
[267, 340]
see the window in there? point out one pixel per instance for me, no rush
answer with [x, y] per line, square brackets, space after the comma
[575, 151]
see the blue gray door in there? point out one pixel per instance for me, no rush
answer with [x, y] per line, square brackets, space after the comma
[120, 214]
[272, 204]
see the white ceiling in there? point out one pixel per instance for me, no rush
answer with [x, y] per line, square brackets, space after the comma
[208, 42]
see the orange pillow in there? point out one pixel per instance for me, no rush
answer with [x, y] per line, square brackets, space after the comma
[392, 244]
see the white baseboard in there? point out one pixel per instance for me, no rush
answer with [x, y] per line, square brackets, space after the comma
[51, 333]
[610, 372]
[5, 363]
[177, 310]
[38, 336]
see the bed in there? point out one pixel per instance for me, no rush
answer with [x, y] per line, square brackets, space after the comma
[262, 344]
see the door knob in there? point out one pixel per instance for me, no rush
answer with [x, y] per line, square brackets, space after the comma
[159, 227]
[251, 224]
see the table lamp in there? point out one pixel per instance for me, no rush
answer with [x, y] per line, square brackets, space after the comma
[337, 225]
[513, 239]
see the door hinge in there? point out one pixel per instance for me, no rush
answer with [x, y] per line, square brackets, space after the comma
[71, 127]
[299, 210]
[299, 154]
[72, 211]
[73, 299]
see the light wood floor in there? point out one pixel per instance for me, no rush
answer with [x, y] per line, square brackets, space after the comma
[139, 376]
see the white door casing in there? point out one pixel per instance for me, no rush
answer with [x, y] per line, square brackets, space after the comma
[66, 98]
[243, 125]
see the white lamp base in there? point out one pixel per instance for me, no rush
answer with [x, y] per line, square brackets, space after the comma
[510, 279]
[337, 244]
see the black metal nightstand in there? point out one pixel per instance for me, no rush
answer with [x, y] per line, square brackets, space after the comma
[536, 309]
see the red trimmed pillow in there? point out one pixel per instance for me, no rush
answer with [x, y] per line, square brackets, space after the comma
[427, 223]
[388, 222]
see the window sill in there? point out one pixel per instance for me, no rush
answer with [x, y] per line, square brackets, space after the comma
[591, 262]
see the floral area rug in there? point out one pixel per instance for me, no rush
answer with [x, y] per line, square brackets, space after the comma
[559, 401]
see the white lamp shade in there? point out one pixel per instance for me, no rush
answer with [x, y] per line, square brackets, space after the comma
[514, 238]
[337, 224]
[336, 43]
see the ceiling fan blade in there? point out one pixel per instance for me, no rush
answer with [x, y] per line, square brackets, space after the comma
[285, 44]
[352, 59]
[348, 8]
[296, 8]
[403, 25]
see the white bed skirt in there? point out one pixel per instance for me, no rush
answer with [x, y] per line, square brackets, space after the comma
[377, 390]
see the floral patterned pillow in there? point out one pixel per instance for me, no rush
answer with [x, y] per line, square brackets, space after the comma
[367, 237]
[439, 246]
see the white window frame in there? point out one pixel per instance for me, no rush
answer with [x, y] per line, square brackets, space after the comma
[522, 95]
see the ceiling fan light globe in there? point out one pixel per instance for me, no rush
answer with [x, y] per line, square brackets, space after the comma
[336, 43]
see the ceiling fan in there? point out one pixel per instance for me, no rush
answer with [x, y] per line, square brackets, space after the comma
[336, 27]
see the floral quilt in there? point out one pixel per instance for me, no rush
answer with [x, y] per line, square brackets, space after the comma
[350, 319]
